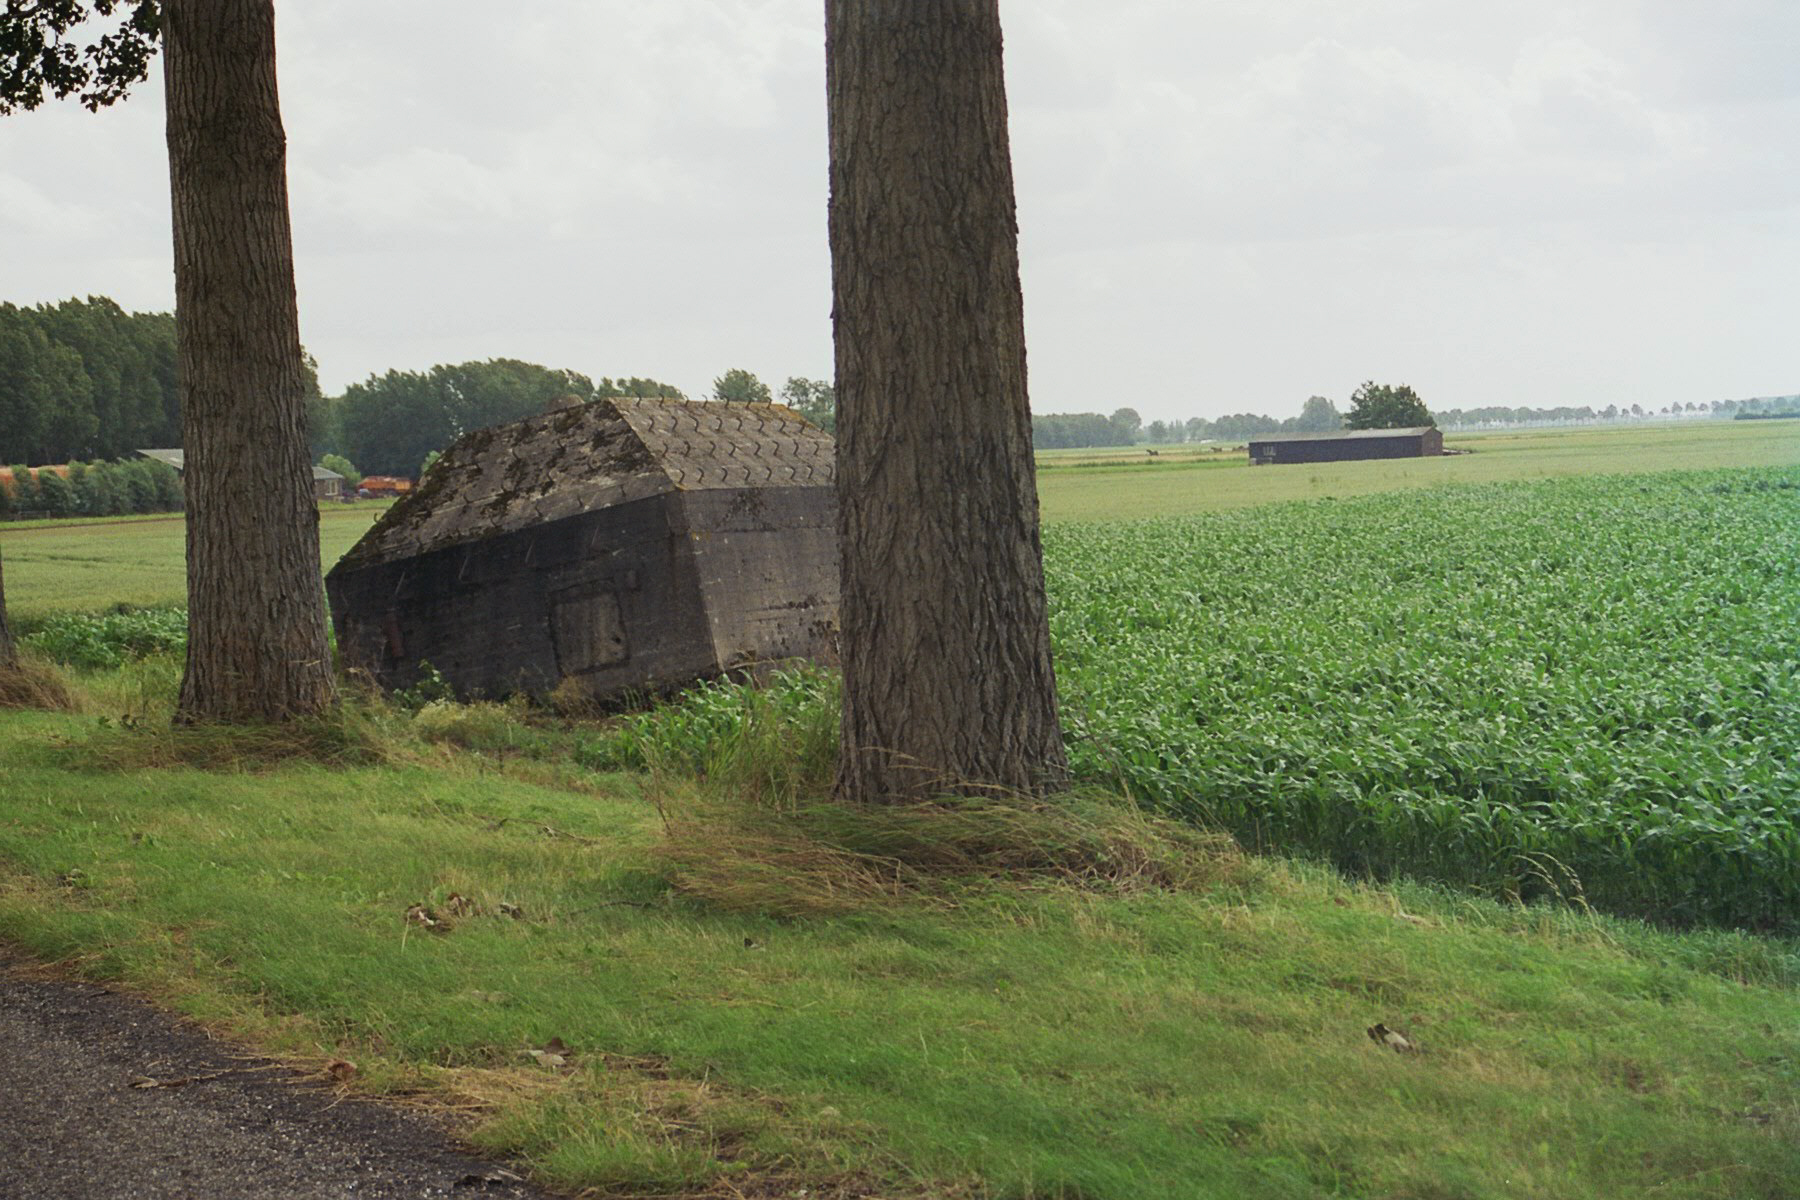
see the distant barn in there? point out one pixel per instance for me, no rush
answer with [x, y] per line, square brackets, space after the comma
[327, 485]
[626, 545]
[1346, 445]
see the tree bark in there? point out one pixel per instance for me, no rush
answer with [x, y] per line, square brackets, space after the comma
[8, 655]
[257, 646]
[948, 684]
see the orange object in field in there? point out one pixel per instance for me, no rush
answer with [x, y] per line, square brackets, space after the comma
[385, 485]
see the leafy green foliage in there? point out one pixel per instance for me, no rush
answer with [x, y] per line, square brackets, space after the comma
[392, 421]
[1386, 406]
[55, 494]
[344, 467]
[814, 399]
[741, 387]
[109, 640]
[1317, 415]
[83, 378]
[39, 55]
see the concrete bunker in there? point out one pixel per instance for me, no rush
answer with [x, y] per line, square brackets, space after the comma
[628, 545]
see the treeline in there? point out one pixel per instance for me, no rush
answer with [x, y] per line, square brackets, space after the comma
[389, 423]
[1500, 416]
[1124, 428]
[97, 489]
[84, 379]
[1056, 431]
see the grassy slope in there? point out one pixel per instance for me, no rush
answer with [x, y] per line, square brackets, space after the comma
[1033, 1042]
[1144, 487]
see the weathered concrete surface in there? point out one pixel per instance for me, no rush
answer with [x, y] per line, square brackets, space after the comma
[73, 1126]
[624, 545]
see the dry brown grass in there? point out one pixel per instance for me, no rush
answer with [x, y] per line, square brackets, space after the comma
[824, 858]
[29, 683]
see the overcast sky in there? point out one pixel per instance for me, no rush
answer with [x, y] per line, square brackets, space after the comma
[1224, 206]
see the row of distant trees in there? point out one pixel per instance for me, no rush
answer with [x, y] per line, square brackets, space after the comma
[393, 424]
[387, 424]
[1372, 406]
[85, 379]
[98, 489]
[1125, 427]
[1502, 416]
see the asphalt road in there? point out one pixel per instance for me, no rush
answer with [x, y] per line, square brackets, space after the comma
[104, 1098]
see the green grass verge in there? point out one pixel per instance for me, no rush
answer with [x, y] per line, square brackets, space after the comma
[1026, 1040]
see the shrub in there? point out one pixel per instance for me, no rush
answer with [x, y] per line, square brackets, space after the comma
[137, 485]
[342, 465]
[55, 494]
[24, 489]
[166, 482]
[110, 640]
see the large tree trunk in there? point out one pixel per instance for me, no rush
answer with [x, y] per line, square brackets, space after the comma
[256, 617]
[8, 656]
[946, 647]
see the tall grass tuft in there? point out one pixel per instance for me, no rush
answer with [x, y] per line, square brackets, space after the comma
[31, 683]
[821, 858]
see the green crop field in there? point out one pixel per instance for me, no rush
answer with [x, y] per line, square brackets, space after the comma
[1587, 685]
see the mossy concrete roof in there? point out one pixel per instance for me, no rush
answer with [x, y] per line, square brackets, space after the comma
[585, 457]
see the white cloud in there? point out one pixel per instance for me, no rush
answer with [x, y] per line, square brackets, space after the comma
[1222, 206]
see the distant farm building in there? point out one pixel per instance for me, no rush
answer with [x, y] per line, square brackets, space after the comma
[625, 545]
[327, 485]
[1346, 445]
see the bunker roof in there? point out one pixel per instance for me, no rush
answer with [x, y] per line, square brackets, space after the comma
[575, 460]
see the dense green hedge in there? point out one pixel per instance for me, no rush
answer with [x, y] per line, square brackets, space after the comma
[102, 489]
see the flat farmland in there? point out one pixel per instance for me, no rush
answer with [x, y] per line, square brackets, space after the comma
[1125, 484]
[87, 566]
[69, 566]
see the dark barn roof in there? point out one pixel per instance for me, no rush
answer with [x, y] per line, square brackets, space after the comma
[1342, 435]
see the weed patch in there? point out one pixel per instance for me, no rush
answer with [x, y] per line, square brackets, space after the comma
[109, 640]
